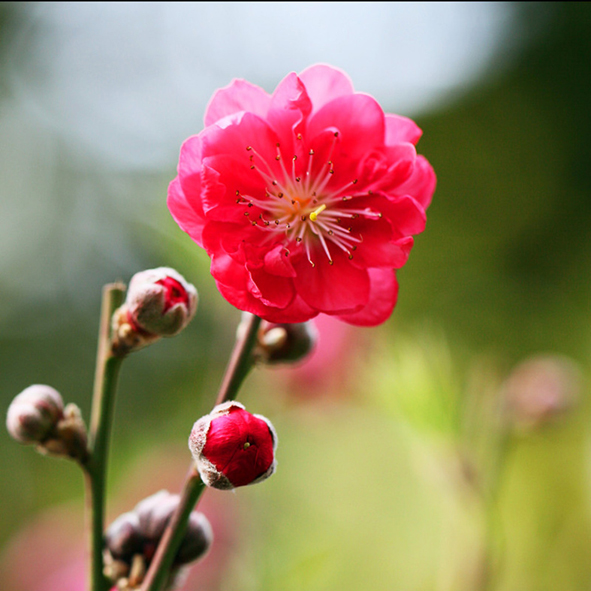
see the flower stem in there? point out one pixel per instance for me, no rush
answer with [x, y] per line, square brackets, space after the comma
[105, 383]
[241, 361]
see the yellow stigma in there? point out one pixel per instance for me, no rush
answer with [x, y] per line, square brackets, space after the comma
[314, 214]
[246, 445]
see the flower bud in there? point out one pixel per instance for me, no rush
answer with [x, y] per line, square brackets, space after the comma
[286, 343]
[233, 447]
[34, 414]
[160, 302]
[123, 538]
[154, 513]
[541, 389]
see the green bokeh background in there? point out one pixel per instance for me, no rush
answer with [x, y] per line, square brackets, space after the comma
[370, 491]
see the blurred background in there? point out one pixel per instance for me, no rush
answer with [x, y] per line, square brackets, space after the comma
[447, 450]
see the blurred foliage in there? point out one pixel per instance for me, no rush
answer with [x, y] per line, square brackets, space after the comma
[407, 480]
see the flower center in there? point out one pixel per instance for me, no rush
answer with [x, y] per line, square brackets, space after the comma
[302, 209]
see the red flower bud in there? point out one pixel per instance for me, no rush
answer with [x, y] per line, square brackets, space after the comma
[160, 302]
[233, 447]
[34, 413]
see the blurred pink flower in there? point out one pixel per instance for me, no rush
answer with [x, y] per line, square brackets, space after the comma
[328, 369]
[306, 200]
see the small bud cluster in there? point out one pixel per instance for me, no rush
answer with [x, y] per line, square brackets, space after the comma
[159, 303]
[232, 447]
[131, 540]
[37, 416]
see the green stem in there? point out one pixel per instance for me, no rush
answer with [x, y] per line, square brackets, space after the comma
[105, 383]
[241, 361]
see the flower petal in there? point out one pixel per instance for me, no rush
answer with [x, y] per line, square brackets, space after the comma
[239, 95]
[421, 183]
[384, 293]
[271, 290]
[290, 105]
[325, 83]
[323, 286]
[401, 129]
[359, 120]
[183, 213]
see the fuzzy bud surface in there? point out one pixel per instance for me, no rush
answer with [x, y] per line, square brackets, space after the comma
[233, 447]
[33, 414]
[160, 302]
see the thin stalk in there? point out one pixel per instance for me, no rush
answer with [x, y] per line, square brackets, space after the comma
[241, 361]
[103, 401]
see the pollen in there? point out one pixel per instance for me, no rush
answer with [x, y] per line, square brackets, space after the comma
[295, 197]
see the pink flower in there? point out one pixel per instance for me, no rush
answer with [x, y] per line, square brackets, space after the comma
[233, 447]
[306, 200]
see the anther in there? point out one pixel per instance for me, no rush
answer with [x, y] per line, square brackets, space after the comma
[298, 179]
[248, 148]
[298, 239]
[278, 157]
[330, 262]
[299, 136]
[311, 153]
[246, 213]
